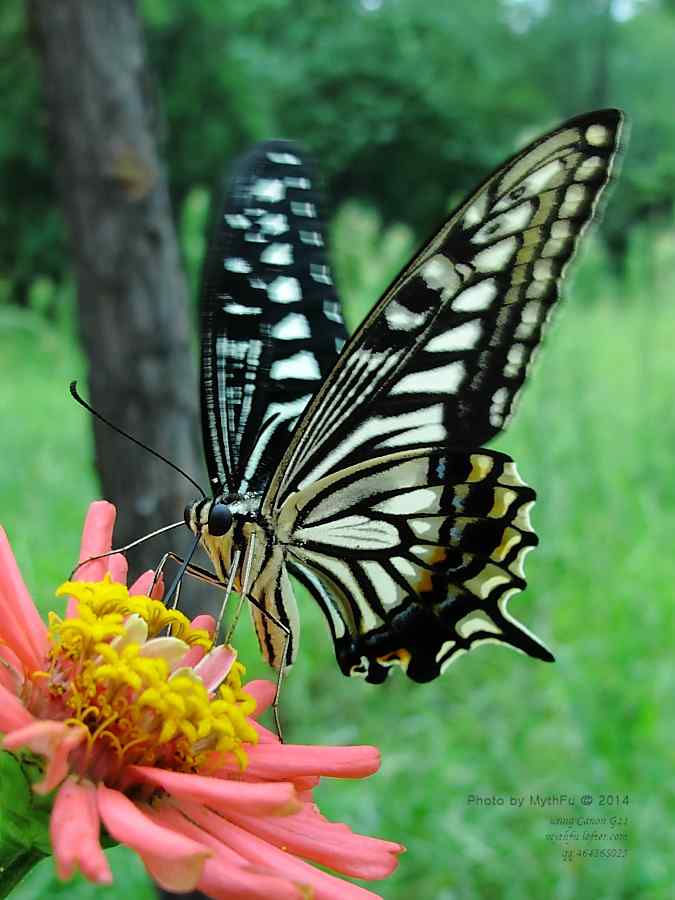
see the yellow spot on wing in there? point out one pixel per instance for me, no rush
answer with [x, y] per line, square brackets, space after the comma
[481, 466]
[597, 135]
[546, 201]
[509, 473]
[503, 499]
[509, 539]
[489, 578]
[474, 621]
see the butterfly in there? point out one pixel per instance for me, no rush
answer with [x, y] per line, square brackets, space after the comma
[357, 465]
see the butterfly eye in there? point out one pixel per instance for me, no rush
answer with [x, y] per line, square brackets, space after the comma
[220, 519]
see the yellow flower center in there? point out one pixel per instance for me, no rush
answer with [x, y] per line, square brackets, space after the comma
[113, 671]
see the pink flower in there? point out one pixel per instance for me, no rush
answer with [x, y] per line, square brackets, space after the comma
[155, 737]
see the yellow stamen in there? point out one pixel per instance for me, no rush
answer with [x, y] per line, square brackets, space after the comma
[132, 706]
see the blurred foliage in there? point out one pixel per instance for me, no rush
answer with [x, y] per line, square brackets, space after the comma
[366, 256]
[128, 871]
[32, 241]
[406, 105]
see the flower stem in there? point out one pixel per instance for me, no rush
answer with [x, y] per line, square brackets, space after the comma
[21, 865]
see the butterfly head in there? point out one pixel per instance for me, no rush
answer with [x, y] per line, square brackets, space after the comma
[209, 517]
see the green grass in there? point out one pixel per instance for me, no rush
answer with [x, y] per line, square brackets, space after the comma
[595, 435]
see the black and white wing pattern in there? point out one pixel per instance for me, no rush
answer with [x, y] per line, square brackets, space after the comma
[412, 557]
[409, 536]
[271, 322]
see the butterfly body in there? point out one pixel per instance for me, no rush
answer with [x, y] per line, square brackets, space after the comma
[358, 467]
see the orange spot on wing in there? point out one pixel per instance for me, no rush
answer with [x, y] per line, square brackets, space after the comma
[400, 657]
[431, 556]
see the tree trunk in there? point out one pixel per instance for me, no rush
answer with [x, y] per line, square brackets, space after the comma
[132, 295]
[602, 47]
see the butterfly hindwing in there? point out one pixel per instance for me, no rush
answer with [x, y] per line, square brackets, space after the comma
[271, 320]
[443, 355]
[412, 558]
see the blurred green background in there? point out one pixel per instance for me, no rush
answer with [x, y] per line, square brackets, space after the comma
[406, 106]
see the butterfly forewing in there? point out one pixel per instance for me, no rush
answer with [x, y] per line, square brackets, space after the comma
[442, 357]
[271, 321]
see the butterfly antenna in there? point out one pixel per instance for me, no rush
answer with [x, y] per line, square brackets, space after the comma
[116, 550]
[97, 415]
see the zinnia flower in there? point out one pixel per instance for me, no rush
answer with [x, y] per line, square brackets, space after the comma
[144, 726]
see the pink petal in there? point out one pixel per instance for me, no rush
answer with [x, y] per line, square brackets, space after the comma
[158, 590]
[196, 654]
[306, 785]
[193, 656]
[332, 844]
[173, 874]
[288, 761]
[142, 585]
[13, 714]
[215, 666]
[259, 852]
[11, 670]
[7, 681]
[263, 691]
[227, 875]
[265, 736]
[256, 799]
[96, 539]
[223, 882]
[54, 741]
[74, 830]
[174, 861]
[205, 621]
[21, 627]
[118, 568]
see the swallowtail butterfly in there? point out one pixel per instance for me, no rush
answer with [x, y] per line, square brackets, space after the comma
[357, 465]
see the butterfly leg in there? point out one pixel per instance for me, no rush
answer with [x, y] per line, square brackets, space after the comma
[244, 595]
[277, 693]
[206, 578]
[197, 572]
[248, 558]
[228, 590]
